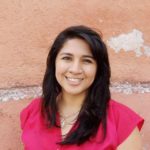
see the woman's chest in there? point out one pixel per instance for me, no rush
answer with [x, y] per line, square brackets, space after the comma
[42, 139]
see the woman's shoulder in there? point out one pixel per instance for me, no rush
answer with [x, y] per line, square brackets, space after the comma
[31, 110]
[115, 104]
[123, 112]
[33, 104]
[118, 107]
[124, 118]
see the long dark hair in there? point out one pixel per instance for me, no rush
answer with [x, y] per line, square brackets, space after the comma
[94, 109]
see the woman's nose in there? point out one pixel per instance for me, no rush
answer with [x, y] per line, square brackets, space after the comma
[75, 68]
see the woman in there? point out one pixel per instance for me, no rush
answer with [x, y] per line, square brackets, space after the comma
[76, 111]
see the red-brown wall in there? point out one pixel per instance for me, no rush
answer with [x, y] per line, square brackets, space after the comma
[27, 29]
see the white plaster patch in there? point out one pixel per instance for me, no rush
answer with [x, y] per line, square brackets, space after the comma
[20, 93]
[132, 41]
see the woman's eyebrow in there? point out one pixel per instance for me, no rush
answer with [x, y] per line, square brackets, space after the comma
[88, 56]
[69, 54]
[63, 53]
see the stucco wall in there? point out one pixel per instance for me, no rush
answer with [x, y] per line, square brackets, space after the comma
[27, 29]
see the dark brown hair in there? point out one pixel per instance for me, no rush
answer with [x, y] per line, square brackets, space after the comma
[94, 110]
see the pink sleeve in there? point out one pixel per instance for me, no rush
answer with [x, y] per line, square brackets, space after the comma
[126, 120]
[27, 111]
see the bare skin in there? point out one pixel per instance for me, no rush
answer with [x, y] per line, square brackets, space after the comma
[133, 142]
[69, 109]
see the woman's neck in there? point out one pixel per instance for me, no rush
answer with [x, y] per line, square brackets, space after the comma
[68, 103]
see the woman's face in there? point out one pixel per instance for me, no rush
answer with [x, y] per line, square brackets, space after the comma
[75, 67]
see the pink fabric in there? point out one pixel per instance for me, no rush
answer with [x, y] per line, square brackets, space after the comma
[36, 136]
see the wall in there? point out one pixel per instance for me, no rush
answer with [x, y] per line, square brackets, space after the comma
[27, 29]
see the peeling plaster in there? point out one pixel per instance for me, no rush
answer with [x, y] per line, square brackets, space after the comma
[20, 93]
[36, 91]
[132, 41]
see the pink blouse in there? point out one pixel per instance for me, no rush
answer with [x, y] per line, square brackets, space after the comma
[36, 136]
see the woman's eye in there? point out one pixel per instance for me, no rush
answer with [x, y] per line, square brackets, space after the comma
[66, 58]
[87, 61]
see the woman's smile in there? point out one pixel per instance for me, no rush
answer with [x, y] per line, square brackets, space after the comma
[75, 67]
[74, 81]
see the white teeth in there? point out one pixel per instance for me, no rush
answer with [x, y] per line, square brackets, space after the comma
[74, 79]
[77, 80]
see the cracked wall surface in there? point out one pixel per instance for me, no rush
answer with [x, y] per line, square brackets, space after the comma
[27, 29]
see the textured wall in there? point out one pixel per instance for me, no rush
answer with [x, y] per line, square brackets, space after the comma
[27, 29]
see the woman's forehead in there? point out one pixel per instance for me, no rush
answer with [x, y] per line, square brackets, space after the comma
[75, 46]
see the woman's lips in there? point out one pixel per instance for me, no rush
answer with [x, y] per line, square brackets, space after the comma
[74, 81]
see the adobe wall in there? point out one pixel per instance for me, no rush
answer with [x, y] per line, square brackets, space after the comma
[27, 29]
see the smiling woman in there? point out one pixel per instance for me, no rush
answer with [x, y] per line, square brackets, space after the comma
[75, 67]
[76, 110]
